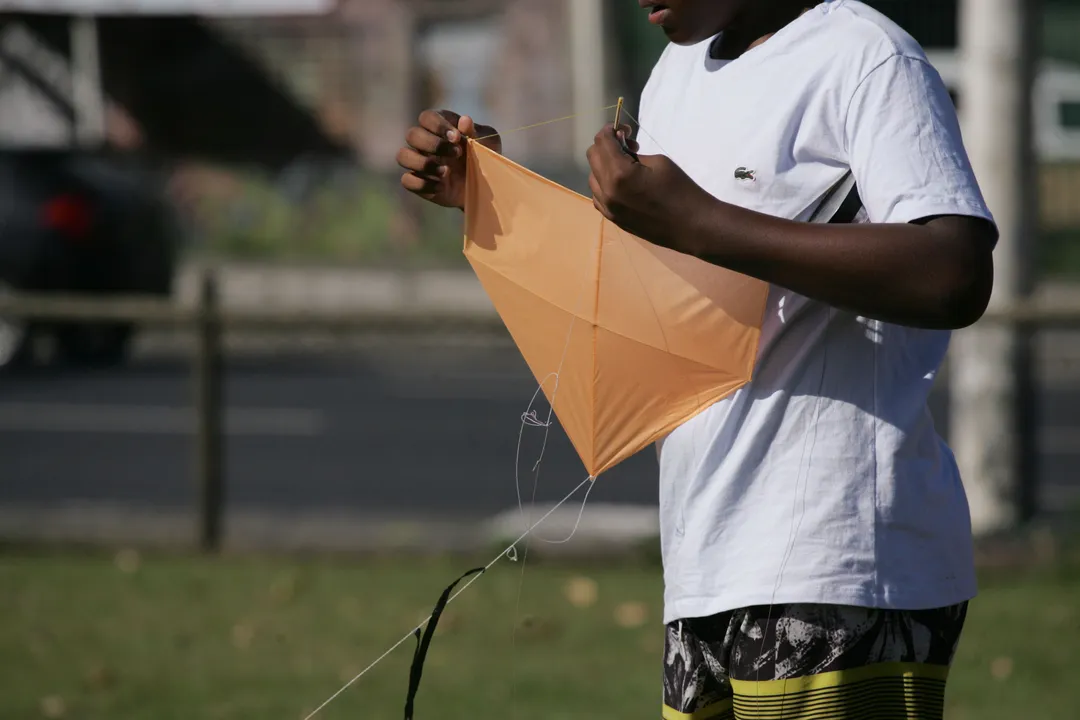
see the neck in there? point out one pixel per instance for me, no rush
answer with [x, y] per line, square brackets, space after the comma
[761, 21]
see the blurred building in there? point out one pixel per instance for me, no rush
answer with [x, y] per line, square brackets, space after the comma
[365, 70]
[371, 67]
[227, 90]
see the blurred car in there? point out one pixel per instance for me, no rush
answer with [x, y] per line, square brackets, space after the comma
[74, 221]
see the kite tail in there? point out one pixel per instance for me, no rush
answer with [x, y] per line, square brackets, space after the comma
[424, 642]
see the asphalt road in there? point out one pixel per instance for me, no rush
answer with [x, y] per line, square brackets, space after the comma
[401, 428]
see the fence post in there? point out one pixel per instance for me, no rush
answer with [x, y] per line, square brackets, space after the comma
[209, 465]
[586, 30]
[992, 396]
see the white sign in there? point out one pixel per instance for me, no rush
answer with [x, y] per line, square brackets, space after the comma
[171, 7]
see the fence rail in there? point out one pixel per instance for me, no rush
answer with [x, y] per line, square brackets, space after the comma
[154, 311]
[158, 312]
[209, 322]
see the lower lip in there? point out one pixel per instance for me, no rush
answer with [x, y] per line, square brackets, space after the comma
[659, 17]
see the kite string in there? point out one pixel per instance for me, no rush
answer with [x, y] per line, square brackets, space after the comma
[536, 125]
[505, 552]
[642, 129]
[528, 418]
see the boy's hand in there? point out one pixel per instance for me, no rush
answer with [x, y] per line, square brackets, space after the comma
[648, 195]
[435, 156]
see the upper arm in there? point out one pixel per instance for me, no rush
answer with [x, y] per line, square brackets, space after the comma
[904, 145]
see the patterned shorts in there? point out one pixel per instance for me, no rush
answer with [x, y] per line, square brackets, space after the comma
[802, 662]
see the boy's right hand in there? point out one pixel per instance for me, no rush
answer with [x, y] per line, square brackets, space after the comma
[434, 155]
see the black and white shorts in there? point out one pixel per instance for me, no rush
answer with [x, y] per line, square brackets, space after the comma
[803, 662]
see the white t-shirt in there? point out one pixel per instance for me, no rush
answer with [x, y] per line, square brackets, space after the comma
[824, 480]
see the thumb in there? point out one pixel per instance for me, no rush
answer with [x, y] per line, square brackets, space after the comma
[466, 126]
[486, 134]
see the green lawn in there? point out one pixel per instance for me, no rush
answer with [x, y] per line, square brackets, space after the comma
[91, 636]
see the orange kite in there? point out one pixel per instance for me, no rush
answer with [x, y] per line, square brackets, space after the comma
[636, 339]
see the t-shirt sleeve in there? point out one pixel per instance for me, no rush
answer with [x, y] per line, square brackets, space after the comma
[905, 148]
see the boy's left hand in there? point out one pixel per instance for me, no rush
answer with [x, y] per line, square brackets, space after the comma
[650, 196]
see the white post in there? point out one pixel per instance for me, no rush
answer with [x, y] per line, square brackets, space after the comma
[88, 95]
[585, 20]
[990, 376]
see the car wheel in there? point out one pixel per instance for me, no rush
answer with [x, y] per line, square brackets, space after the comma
[95, 344]
[14, 335]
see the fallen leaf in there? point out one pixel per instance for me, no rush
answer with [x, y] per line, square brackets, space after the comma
[631, 614]
[1061, 614]
[283, 589]
[532, 627]
[100, 677]
[242, 635]
[448, 623]
[417, 619]
[652, 643]
[581, 592]
[127, 561]
[53, 706]
[348, 672]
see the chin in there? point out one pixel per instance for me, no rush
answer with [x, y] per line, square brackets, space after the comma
[689, 23]
[684, 31]
[679, 37]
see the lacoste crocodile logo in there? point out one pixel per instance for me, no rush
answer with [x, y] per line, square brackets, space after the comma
[742, 173]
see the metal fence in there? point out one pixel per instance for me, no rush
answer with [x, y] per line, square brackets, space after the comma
[208, 322]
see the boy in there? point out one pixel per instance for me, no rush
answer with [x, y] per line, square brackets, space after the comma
[815, 533]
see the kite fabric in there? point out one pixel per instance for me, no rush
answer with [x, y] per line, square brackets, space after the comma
[628, 340]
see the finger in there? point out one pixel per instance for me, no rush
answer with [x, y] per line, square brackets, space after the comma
[596, 189]
[466, 126]
[439, 122]
[424, 187]
[600, 162]
[485, 134]
[594, 186]
[426, 141]
[443, 124]
[602, 209]
[420, 164]
[607, 144]
[596, 167]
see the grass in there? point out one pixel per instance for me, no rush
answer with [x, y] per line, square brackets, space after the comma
[91, 636]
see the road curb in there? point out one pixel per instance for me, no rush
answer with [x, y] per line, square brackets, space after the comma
[312, 289]
[603, 529]
[446, 290]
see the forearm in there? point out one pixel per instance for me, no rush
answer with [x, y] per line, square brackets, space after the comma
[901, 273]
